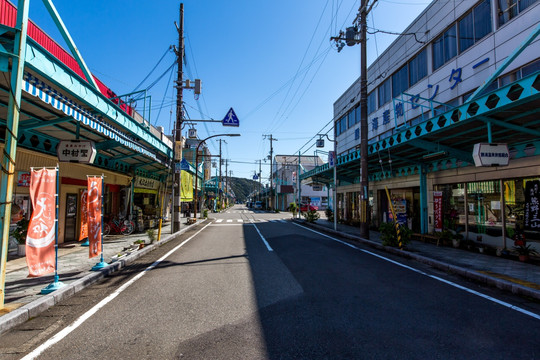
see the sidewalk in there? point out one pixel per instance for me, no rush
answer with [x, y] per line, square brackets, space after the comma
[23, 299]
[504, 273]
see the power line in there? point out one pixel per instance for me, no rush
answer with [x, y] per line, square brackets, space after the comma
[153, 69]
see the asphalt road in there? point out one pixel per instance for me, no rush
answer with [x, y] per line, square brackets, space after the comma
[253, 285]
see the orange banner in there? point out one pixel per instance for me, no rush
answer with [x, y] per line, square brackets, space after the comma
[83, 232]
[94, 215]
[40, 239]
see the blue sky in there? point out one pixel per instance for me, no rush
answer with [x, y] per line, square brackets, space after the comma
[272, 61]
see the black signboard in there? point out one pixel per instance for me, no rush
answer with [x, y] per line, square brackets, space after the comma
[532, 211]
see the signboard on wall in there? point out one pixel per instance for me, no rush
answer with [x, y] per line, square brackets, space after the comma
[23, 179]
[437, 210]
[532, 211]
[146, 183]
[485, 154]
[78, 151]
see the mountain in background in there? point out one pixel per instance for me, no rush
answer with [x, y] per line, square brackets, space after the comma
[243, 187]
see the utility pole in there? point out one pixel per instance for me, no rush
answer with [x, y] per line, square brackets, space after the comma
[353, 36]
[226, 179]
[364, 191]
[271, 138]
[177, 201]
[260, 184]
[220, 162]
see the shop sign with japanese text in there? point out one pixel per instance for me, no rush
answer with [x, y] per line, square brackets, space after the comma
[78, 151]
[145, 183]
[485, 154]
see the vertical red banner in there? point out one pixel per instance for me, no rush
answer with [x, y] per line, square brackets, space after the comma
[437, 210]
[40, 239]
[94, 215]
[83, 231]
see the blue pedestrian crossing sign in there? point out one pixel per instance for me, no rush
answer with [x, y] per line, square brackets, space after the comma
[231, 119]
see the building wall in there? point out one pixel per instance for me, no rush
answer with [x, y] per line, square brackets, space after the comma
[437, 17]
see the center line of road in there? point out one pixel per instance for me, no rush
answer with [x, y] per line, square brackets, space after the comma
[262, 237]
[67, 330]
[474, 292]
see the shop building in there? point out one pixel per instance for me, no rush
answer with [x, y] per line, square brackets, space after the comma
[286, 168]
[452, 152]
[62, 117]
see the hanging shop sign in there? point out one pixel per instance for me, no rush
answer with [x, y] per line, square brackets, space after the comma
[146, 183]
[77, 151]
[192, 133]
[437, 210]
[331, 158]
[485, 154]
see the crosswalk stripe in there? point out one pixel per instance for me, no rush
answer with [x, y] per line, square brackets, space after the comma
[229, 220]
[240, 220]
[219, 220]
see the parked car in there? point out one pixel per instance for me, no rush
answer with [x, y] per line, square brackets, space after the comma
[258, 205]
[308, 207]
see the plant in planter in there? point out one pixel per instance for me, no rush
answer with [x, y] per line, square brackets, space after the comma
[151, 235]
[139, 243]
[19, 233]
[524, 251]
[311, 216]
[329, 214]
[389, 234]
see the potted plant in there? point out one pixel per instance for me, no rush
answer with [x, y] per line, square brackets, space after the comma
[19, 233]
[524, 251]
[389, 234]
[329, 214]
[139, 243]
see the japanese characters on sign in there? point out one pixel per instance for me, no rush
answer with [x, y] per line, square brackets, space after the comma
[437, 210]
[94, 215]
[23, 179]
[40, 238]
[83, 231]
[79, 151]
[485, 154]
[454, 78]
[532, 205]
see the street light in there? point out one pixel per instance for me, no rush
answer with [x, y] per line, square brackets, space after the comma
[197, 167]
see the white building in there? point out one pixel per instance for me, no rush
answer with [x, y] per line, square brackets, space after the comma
[285, 170]
[423, 123]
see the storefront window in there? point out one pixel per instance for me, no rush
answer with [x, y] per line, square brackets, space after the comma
[521, 207]
[484, 208]
[453, 207]
[340, 206]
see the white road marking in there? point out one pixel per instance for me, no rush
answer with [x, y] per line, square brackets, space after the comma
[262, 237]
[67, 330]
[240, 220]
[229, 220]
[219, 220]
[474, 292]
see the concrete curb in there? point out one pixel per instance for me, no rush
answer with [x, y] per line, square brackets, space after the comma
[34, 308]
[437, 264]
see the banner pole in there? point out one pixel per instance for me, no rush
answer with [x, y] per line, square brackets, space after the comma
[100, 265]
[57, 284]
